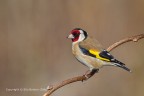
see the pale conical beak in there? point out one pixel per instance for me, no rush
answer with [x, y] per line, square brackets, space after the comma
[70, 36]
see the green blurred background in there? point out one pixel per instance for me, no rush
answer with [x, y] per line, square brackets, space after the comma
[34, 50]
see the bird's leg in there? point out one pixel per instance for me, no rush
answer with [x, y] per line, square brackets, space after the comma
[90, 73]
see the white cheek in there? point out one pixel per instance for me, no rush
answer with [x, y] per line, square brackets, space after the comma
[81, 37]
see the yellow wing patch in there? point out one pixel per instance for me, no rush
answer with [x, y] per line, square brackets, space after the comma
[96, 53]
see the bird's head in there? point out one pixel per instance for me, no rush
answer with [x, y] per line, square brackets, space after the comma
[78, 35]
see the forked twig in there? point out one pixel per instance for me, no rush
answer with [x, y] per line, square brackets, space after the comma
[53, 88]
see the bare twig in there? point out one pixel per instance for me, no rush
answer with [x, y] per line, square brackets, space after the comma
[63, 83]
[128, 39]
[53, 88]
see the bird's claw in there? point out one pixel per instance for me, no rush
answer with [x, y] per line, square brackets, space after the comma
[90, 73]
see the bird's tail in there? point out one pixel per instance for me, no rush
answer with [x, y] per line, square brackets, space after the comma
[121, 65]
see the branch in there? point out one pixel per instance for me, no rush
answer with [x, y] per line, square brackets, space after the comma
[53, 88]
[128, 39]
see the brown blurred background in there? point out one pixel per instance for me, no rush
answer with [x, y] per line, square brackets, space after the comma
[34, 50]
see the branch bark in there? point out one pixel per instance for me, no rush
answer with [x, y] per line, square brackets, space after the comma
[53, 88]
[128, 39]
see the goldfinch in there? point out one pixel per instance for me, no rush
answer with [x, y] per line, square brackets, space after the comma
[89, 52]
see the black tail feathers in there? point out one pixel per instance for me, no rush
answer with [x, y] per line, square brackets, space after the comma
[121, 65]
[124, 67]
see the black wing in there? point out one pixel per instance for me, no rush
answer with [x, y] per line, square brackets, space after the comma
[107, 55]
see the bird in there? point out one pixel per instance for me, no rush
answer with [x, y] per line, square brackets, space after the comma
[90, 52]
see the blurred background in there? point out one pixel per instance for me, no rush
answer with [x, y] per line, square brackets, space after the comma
[35, 53]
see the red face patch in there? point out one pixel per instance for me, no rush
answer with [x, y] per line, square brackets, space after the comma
[76, 34]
